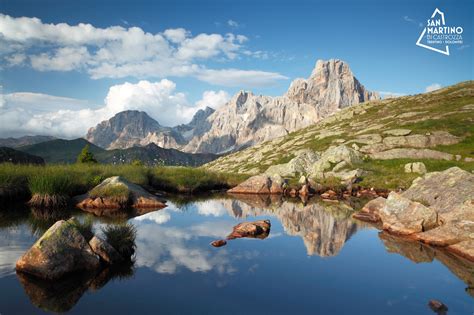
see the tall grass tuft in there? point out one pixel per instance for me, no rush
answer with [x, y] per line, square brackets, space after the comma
[122, 238]
[191, 180]
[50, 189]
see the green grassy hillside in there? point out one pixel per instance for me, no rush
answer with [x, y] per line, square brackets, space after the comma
[450, 109]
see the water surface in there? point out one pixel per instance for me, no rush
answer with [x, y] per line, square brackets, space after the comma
[316, 260]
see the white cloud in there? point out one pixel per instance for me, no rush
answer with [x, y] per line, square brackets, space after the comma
[433, 87]
[16, 59]
[34, 113]
[213, 99]
[64, 59]
[118, 52]
[176, 35]
[233, 24]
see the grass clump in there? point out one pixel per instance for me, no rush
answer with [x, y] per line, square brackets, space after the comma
[122, 238]
[116, 194]
[117, 191]
[192, 180]
[49, 190]
[50, 183]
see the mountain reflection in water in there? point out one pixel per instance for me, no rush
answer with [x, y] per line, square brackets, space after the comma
[174, 243]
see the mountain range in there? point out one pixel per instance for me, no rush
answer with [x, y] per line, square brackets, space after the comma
[246, 120]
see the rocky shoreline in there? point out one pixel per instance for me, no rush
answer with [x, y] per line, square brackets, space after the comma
[437, 209]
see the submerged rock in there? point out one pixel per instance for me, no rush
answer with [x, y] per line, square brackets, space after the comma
[61, 250]
[438, 307]
[219, 243]
[117, 193]
[258, 229]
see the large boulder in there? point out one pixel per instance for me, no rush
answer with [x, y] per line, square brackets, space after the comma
[61, 250]
[403, 216]
[335, 160]
[443, 191]
[438, 209]
[301, 164]
[260, 184]
[117, 193]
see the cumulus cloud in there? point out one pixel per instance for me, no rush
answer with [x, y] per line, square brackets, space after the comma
[214, 99]
[118, 52]
[34, 113]
[433, 87]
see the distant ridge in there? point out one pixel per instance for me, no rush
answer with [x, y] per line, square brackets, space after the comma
[66, 151]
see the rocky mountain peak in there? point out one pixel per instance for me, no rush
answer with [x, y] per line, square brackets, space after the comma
[200, 116]
[245, 120]
[323, 68]
[248, 119]
[129, 128]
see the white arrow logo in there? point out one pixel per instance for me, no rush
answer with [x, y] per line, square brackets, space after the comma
[418, 42]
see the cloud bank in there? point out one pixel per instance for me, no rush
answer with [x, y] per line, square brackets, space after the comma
[118, 52]
[34, 113]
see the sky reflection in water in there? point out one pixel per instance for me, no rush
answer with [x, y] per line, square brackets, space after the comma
[316, 260]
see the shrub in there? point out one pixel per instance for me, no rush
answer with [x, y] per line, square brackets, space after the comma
[122, 238]
[86, 156]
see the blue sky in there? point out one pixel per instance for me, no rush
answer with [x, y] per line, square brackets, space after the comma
[279, 41]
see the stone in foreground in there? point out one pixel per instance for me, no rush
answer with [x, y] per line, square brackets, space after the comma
[437, 209]
[260, 184]
[258, 229]
[61, 250]
[403, 216]
[104, 250]
[136, 196]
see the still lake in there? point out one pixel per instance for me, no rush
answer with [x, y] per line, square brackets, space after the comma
[316, 260]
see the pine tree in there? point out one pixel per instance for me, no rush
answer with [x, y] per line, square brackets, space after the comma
[86, 156]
